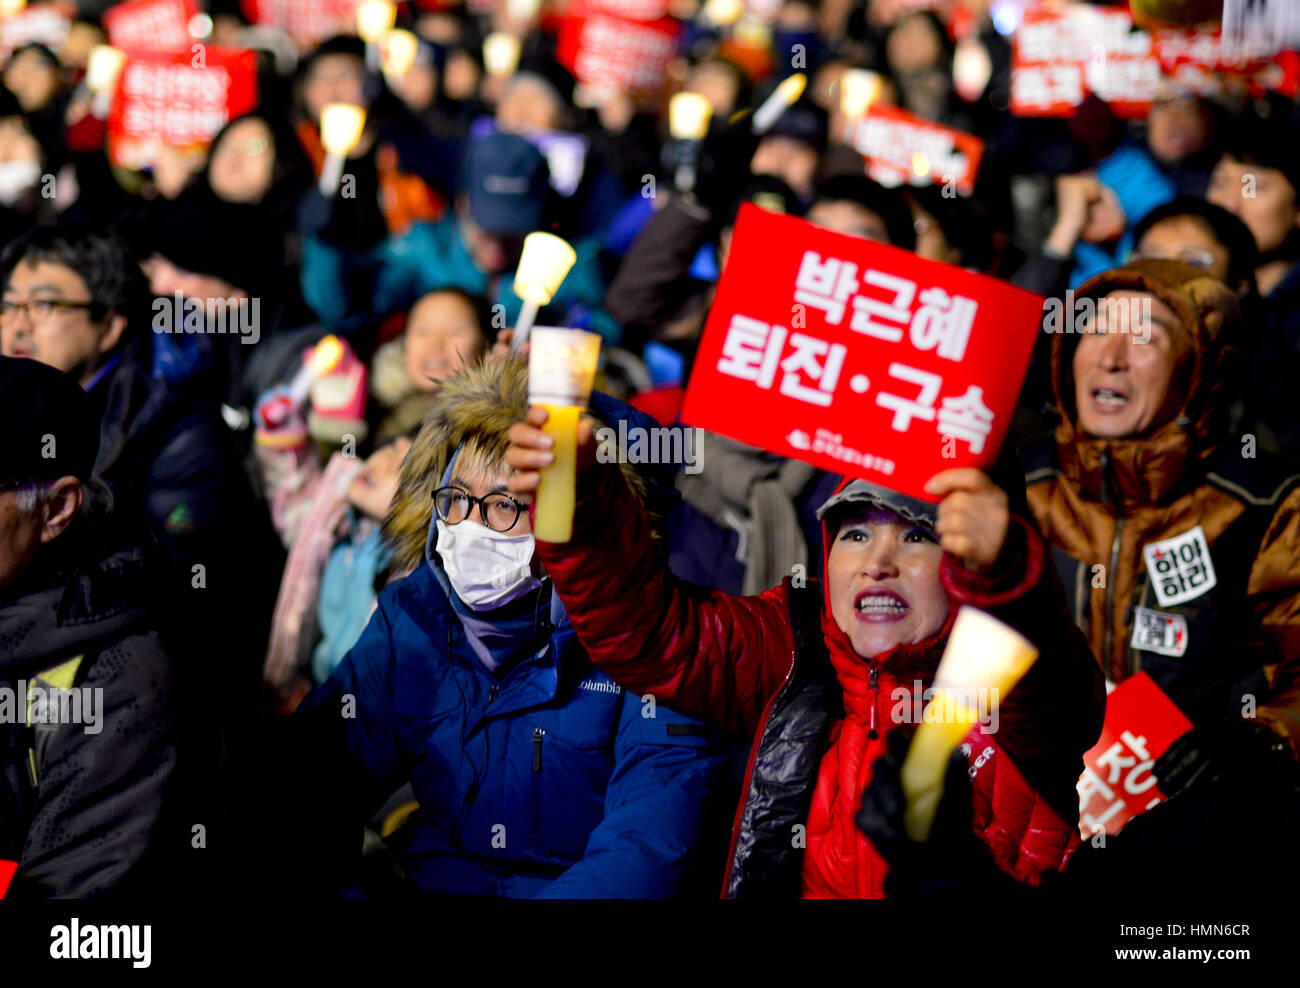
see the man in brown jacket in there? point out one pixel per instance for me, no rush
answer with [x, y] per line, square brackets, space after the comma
[1178, 542]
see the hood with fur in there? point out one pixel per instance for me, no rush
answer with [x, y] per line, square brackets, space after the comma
[484, 400]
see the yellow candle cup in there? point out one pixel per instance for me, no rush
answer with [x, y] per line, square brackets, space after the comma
[688, 116]
[500, 53]
[561, 369]
[341, 125]
[103, 67]
[859, 89]
[543, 265]
[985, 658]
[375, 18]
[398, 50]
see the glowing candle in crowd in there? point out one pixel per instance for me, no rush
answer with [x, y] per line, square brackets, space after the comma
[984, 658]
[398, 51]
[724, 12]
[522, 10]
[782, 98]
[859, 89]
[324, 358]
[500, 53]
[375, 18]
[920, 164]
[688, 122]
[543, 265]
[341, 125]
[10, 7]
[561, 368]
[103, 66]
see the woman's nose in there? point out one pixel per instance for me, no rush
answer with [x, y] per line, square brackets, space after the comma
[880, 562]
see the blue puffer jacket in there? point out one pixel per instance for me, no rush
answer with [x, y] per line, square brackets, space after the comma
[548, 781]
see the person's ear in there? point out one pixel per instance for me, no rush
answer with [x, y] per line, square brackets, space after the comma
[113, 336]
[62, 501]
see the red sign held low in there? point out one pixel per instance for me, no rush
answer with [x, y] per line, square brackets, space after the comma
[1117, 784]
[858, 357]
[151, 25]
[902, 147]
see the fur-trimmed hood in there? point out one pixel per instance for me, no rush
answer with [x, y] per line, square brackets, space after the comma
[483, 400]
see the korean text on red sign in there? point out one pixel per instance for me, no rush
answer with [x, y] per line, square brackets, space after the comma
[1061, 56]
[902, 147]
[601, 48]
[1117, 784]
[858, 357]
[151, 25]
[307, 22]
[163, 99]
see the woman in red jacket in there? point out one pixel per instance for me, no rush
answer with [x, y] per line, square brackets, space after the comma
[817, 680]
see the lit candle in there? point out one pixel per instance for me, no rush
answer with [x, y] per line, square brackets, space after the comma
[10, 7]
[375, 18]
[859, 88]
[398, 52]
[782, 98]
[984, 658]
[103, 66]
[324, 358]
[500, 53]
[688, 122]
[561, 369]
[543, 265]
[341, 125]
[724, 12]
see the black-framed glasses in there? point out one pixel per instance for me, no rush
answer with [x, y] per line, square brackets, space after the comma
[39, 310]
[499, 512]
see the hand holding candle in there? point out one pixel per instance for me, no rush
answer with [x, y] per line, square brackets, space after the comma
[782, 98]
[543, 265]
[341, 126]
[375, 18]
[984, 658]
[102, 69]
[398, 53]
[561, 368]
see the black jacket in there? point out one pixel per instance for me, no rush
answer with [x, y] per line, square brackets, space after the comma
[85, 824]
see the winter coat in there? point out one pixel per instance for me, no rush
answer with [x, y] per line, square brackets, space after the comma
[541, 778]
[80, 803]
[759, 667]
[1100, 503]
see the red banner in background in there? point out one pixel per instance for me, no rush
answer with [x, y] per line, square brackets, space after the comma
[605, 49]
[151, 25]
[1059, 57]
[902, 147]
[858, 357]
[7, 869]
[46, 23]
[164, 99]
[307, 22]
[1117, 784]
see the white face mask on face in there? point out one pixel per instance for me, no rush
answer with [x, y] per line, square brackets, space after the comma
[486, 568]
[16, 177]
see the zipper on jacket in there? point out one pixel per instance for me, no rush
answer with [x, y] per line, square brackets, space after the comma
[1114, 557]
[538, 734]
[873, 681]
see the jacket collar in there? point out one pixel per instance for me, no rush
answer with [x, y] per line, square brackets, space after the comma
[1127, 474]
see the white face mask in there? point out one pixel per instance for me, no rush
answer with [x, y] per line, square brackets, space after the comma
[16, 177]
[486, 568]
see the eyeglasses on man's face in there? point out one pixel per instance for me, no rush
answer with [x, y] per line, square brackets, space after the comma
[499, 512]
[39, 310]
[1196, 257]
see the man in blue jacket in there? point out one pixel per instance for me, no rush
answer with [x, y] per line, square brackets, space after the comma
[534, 773]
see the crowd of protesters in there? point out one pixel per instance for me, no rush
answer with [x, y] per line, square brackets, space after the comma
[331, 657]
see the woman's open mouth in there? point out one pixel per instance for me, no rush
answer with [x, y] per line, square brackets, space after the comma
[1108, 399]
[880, 605]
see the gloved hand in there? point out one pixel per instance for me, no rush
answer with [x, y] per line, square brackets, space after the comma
[953, 858]
[1206, 754]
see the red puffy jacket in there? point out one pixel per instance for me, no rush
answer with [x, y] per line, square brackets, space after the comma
[762, 668]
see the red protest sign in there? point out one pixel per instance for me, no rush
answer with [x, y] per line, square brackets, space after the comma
[902, 147]
[164, 98]
[1117, 784]
[307, 22]
[1060, 56]
[45, 23]
[151, 25]
[7, 869]
[858, 357]
[605, 49]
